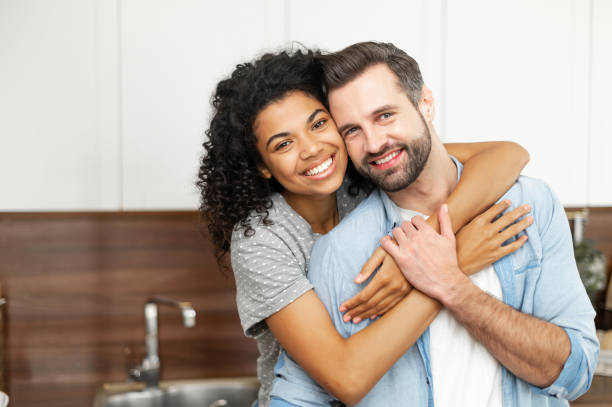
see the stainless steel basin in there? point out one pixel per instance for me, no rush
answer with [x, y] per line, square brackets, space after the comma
[233, 392]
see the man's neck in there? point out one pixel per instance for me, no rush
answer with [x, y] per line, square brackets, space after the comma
[432, 187]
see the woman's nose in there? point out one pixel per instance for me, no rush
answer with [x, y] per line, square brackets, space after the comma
[311, 147]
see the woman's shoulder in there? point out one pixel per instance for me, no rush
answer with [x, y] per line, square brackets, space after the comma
[279, 222]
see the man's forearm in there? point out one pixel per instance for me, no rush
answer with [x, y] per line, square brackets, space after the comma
[532, 349]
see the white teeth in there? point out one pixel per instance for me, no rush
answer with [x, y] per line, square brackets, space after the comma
[387, 158]
[319, 168]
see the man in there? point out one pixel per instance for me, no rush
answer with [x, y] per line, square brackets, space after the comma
[518, 333]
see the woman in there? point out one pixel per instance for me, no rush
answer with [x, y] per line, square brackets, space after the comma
[267, 193]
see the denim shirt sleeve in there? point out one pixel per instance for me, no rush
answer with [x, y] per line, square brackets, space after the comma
[560, 298]
[322, 273]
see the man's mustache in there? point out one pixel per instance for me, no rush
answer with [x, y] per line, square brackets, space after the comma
[386, 149]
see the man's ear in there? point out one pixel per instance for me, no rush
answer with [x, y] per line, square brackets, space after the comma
[427, 105]
[265, 172]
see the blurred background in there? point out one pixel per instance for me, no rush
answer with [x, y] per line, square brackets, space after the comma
[103, 108]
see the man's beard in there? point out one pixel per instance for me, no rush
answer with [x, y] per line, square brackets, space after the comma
[399, 177]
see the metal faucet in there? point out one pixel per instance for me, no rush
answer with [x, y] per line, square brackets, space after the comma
[148, 371]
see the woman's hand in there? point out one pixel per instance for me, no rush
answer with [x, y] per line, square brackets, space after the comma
[479, 243]
[385, 289]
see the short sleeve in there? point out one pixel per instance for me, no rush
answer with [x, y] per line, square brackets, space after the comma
[268, 276]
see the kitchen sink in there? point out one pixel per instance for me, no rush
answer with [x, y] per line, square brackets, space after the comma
[227, 392]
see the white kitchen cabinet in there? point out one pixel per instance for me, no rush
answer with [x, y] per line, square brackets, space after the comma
[58, 109]
[600, 152]
[520, 71]
[173, 54]
[104, 104]
[414, 26]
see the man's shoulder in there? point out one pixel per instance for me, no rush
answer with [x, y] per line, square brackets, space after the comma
[545, 207]
[529, 189]
[352, 240]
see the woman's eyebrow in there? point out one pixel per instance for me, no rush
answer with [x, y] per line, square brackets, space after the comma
[313, 115]
[278, 135]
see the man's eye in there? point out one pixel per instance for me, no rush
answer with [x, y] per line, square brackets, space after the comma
[350, 131]
[385, 115]
[319, 123]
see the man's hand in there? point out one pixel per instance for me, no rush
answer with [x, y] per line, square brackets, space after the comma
[381, 294]
[427, 259]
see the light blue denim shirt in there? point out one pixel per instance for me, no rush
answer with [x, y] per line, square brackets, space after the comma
[539, 279]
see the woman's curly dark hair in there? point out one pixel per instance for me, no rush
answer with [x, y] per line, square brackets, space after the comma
[230, 183]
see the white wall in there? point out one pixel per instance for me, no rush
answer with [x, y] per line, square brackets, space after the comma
[103, 104]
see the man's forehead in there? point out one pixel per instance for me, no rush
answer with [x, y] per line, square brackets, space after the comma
[369, 88]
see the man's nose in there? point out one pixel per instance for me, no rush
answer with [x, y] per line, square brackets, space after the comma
[374, 140]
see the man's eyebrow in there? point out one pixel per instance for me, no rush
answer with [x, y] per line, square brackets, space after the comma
[313, 115]
[344, 127]
[274, 137]
[383, 109]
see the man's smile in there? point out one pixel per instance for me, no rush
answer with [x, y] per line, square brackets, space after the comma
[388, 160]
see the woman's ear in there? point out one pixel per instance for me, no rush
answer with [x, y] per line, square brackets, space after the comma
[426, 104]
[265, 172]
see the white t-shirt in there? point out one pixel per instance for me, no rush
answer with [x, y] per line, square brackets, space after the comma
[464, 372]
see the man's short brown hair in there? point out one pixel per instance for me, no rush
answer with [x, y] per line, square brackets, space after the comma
[341, 67]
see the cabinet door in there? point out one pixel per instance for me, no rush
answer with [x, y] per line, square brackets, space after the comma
[413, 25]
[58, 105]
[519, 70]
[600, 161]
[173, 54]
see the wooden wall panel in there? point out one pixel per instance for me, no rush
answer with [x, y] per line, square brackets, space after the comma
[76, 286]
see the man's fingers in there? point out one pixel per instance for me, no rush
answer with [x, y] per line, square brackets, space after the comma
[401, 237]
[446, 227]
[372, 264]
[408, 228]
[419, 223]
[389, 245]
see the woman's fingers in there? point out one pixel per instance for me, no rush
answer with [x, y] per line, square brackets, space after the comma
[372, 264]
[514, 229]
[360, 298]
[366, 309]
[511, 217]
[495, 210]
[512, 247]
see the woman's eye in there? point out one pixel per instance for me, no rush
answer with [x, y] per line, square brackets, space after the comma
[319, 123]
[282, 145]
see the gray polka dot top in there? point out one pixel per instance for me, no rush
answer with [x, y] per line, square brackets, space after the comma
[270, 270]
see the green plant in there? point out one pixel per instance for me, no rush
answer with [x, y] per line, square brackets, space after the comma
[592, 268]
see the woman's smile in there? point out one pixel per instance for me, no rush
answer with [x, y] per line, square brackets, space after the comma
[323, 170]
